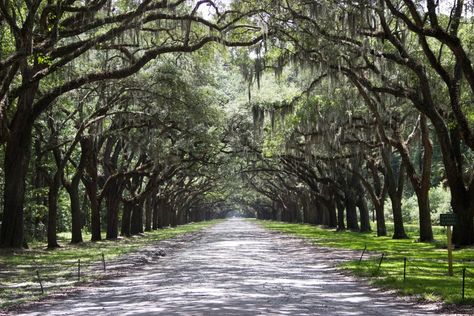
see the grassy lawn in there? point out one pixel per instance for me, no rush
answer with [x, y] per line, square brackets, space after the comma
[426, 273]
[58, 268]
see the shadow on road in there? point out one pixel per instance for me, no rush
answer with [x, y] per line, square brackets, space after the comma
[237, 268]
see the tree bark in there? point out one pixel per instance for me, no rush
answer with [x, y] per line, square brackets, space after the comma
[351, 214]
[332, 214]
[463, 232]
[174, 217]
[53, 195]
[331, 206]
[380, 217]
[148, 213]
[311, 210]
[324, 214]
[16, 161]
[462, 193]
[155, 213]
[126, 218]
[421, 183]
[91, 184]
[76, 214]
[136, 223]
[318, 212]
[426, 231]
[395, 190]
[160, 213]
[39, 182]
[112, 204]
[379, 194]
[167, 214]
[72, 187]
[424, 184]
[340, 215]
[181, 216]
[364, 215]
[113, 186]
[398, 229]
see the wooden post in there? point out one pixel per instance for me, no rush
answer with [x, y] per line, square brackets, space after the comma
[78, 270]
[463, 281]
[40, 282]
[363, 251]
[450, 251]
[103, 261]
[380, 262]
[404, 268]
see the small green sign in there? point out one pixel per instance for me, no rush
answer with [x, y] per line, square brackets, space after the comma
[448, 219]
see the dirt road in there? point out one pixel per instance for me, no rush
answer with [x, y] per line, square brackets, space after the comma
[236, 268]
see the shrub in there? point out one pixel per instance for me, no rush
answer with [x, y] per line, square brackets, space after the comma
[440, 202]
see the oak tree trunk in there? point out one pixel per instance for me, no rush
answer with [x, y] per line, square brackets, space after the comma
[53, 195]
[463, 233]
[16, 161]
[331, 205]
[91, 184]
[148, 213]
[174, 217]
[136, 222]
[398, 228]
[155, 214]
[380, 218]
[351, 214]
[340, 215]
[126, 217]
[364, 215]
[426, 231]
[112, 204]
[76, 214]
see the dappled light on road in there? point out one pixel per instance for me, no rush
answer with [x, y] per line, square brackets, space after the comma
[237, 268]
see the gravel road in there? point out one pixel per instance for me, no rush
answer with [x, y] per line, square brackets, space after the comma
[236, 268]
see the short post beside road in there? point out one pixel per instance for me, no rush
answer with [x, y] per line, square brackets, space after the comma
[463, 281]
[381, 259]
[41, 283]
[404, 268]
[363, 251]
[103, 261]
[78, 270]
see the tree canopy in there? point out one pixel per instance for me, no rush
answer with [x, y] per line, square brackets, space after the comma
[125, 116]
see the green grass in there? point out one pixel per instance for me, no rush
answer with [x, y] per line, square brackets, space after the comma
[426, 262]
[58, 268]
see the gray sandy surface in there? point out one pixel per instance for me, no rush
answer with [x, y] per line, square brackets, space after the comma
[236, 268]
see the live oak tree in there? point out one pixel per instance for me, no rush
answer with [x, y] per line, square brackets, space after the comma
[45, 45]
[130, 116]
[395, 50]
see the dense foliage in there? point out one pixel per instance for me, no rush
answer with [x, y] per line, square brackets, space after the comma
[387, 100]
[124, 116]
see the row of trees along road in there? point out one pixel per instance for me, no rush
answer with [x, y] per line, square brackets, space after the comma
[131, 111]
[385, 80]
[126, 142]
